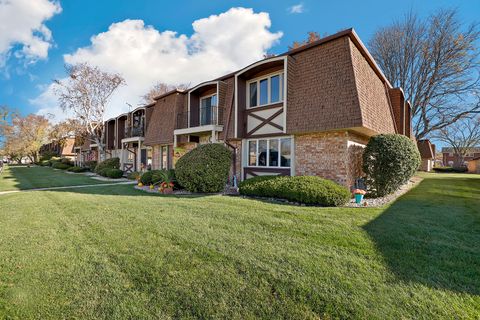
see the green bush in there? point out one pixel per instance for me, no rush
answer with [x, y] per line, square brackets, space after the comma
[146, 177]
[303, 189]
[59, 165]
[450, 169]
[114, 173]
[160, 176]
[134, 175]
[66, 161]
[389, 161]
[77, 169]
[47, 155]
[45, 163]
[91, 165]
[53, 160]
[113, 163]
[103, 172]
[205, 168]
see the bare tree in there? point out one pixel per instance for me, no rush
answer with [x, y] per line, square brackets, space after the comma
[436, 62]
[86, 92]
[161, 88]
[461, 136]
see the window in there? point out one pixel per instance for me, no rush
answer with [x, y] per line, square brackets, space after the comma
[208, 110]
[265, 91]
[275, 152]
[164, 157]
[252, 153]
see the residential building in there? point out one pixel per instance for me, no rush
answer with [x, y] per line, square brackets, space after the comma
[474, 165]
[309, 111]
[427, 153]
[449, 156]
[62, 148]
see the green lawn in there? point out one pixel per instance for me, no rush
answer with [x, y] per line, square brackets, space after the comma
[23, 178]
[117, 253]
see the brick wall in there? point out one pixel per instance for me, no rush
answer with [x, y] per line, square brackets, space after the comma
[332, 155]
[156, 157]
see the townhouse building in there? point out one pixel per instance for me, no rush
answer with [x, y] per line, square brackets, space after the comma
[309, 111]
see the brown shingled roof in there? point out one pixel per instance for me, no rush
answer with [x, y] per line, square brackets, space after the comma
[426, 149]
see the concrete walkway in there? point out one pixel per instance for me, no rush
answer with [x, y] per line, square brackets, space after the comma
[68, 187]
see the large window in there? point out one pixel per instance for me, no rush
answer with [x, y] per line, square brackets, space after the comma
[265, 91]
[276, 152]
[208, 109]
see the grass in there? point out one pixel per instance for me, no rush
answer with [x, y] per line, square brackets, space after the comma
[117, 253]
[24, 178]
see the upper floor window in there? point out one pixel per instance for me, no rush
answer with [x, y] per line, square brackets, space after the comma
[208, 110]
[265, 91]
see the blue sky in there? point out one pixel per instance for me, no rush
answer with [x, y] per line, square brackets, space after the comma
[25, 77]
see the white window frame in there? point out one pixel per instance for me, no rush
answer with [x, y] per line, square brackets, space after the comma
[279, 166]
[267, 77]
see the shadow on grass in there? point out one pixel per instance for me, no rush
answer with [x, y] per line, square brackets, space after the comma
[125, 190]
[432, 235]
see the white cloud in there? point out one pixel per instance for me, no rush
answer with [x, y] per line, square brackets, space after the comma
[47, 105]
[298, 8]
[144, 56]
[22, 23]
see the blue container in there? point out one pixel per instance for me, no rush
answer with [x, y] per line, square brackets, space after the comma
[358, 198]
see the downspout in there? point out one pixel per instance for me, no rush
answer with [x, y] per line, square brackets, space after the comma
[234, 148]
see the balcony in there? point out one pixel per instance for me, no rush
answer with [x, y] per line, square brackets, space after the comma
[133, 132]
[207, 116]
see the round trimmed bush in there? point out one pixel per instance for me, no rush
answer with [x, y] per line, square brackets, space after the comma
[77, 169]
[303, 189]
[114, 173]
[146, 177]
[113, 163]
[61, 166]
[204, 169]
[389, 161]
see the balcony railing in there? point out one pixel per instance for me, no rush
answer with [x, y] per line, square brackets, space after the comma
[131, 132]
[206, 116]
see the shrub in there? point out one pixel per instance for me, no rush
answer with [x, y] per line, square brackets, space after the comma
[91, 165]
[45, 163]
[134, 175]
[103, 172]
[66, 161]
[389, 161]
[450, 169]
[205, 168]
[59, 165]
[77, 169]
[302, 189]
[53, 160]
[160, 176]
[146, 177]
[114, 173]
[113, 163]
[47, 155]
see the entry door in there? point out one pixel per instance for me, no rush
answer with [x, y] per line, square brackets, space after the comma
[143, 157]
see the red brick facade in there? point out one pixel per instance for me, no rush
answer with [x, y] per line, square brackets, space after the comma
[333, 155]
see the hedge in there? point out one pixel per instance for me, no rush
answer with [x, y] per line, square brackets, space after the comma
[303, 189]
[204, 169]
[114, 173]
[389, 161]
[113, 163]
[450, 169]
[59, 165]
[77, 169]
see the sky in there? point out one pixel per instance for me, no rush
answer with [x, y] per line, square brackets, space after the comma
[148, 41]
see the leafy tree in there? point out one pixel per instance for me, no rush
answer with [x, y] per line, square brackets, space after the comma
[436, 62]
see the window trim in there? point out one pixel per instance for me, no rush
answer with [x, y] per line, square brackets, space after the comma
[256, 166]
[268, 77]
